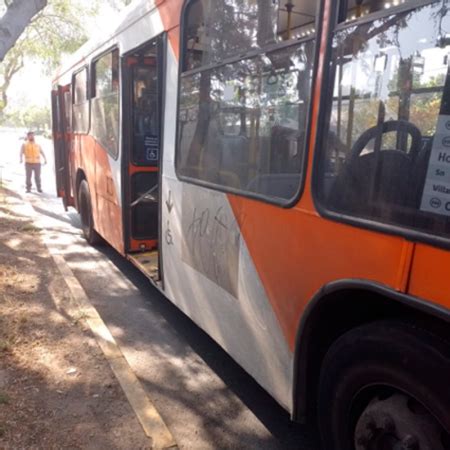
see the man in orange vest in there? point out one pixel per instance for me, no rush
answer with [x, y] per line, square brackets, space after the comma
[32, 153]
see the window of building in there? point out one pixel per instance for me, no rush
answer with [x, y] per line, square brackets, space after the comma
[242, 122]
[105, 102]
[80, 108]
[384, 151]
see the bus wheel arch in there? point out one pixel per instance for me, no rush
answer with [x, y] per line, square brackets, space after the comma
[86, 213]
[338, 308]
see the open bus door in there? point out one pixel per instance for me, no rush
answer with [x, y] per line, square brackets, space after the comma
[142, 78]
[61, 101]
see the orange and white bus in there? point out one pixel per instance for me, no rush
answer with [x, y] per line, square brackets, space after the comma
[280, 170]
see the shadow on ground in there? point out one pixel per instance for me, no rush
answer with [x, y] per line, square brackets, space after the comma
[56, 390]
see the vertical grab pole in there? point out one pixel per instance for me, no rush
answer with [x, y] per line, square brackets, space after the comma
[289, 8]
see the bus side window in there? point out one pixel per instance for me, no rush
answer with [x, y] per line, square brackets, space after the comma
[381, 156]
[242, 125]
[105, 102]
[68, 111]
[80, 110]
[255, 25]
[360, 8]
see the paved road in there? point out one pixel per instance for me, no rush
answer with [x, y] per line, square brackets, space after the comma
[206, 399]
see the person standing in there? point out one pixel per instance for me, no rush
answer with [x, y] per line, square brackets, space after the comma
[32, 153]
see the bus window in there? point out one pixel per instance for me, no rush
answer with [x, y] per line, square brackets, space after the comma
[146, 106]
[385, 146]
[242, 124]
[360, 8]
[105, 102]
[80, 111]
[68, 111]
[255, 24]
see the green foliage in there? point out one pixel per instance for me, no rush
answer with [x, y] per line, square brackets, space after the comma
[55, 31]
[34, 118]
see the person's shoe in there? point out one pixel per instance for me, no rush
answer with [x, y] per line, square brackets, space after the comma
[40, 191]
[28, 191]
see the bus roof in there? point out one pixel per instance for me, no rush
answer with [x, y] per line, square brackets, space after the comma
[130, 15]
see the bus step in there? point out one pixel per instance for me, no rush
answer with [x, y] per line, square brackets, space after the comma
[148, 263]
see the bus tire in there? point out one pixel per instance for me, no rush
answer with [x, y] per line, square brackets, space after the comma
[384, 385]
[85, 210]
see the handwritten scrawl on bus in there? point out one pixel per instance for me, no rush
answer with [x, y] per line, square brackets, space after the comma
[212, 237]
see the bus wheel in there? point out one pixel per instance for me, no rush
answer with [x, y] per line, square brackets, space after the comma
[85, 209]
[384, 386]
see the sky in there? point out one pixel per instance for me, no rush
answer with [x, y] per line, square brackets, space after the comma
[31, 86]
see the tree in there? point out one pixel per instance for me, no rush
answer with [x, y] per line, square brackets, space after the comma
[119, 4]
[14, 21]
[32, 118]
[54, 31]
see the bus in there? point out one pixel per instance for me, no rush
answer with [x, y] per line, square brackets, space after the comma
[280, 170]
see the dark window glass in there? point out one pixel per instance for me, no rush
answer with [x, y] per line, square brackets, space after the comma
[68, 111]
[360, 8]
[386, 149]
[242, 125]
[57, 124]
[146, 126]
[80, 103]
[80, 91]
[218, 29]
[105, 102]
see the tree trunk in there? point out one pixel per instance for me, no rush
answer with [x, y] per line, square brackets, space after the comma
[12, 65]
[15, 20]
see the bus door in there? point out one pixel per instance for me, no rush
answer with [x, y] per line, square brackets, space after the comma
[61, 101]
[142, 149]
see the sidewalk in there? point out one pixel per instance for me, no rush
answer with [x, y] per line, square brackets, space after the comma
[56, 388]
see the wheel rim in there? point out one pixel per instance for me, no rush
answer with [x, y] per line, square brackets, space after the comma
[398, 422]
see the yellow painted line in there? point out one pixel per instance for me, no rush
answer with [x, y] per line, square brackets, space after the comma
[147, 414]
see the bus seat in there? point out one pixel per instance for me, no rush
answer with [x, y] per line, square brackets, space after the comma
[353, 187]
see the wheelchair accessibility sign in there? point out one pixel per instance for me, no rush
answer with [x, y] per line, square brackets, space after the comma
[151, 144]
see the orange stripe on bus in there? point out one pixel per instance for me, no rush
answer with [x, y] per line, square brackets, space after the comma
[170, 13]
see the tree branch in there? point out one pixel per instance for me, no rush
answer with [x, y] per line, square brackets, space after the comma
[15, 20]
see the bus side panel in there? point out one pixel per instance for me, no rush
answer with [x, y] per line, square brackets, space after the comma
[103, 176]
[209, 273]
[108, 219]
[429, 274]
[84, 160]
[245, 270]
[94, 162]
[297, 252]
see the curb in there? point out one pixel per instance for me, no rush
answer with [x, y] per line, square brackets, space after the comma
[145, 411]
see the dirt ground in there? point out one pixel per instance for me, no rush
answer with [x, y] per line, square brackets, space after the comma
[56, 389]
